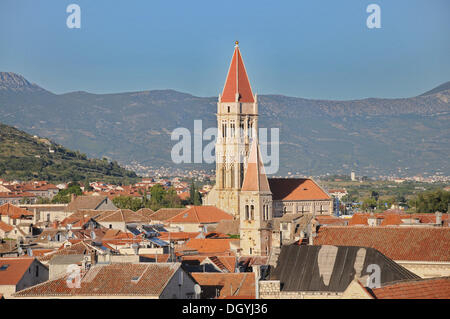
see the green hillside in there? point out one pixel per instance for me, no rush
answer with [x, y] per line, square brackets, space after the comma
[25, 157]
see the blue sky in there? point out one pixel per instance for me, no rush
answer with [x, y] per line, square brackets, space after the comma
[312, 49]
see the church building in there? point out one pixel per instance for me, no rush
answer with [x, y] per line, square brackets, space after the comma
[242, 187]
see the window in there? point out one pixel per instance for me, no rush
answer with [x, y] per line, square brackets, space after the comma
[241, 173]
[37, 271]
[252, 212]
[223, 177]
[110, 226]
[247, 216]
[229, 109]
[224, 129]
[232, 177]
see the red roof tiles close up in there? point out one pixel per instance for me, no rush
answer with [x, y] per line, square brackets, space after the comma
[432, 288]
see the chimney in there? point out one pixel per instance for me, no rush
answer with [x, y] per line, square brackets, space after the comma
[438, 218]
[93, 257]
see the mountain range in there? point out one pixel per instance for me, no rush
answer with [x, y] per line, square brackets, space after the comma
[373, 136]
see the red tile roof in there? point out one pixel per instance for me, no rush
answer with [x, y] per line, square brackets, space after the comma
[177, 235]
[397, 243]
[229, 284]
[330, 220]
[144, 279]
[160, 258]
[15, 268]
[208, 246]
[163, 214]
[390, 218]
[77, 248]
[14, 211]
[296, 189]
[201, 215]
[224, 263]
[5, 227]
[122, 215]
[432, 288]
[237, 81]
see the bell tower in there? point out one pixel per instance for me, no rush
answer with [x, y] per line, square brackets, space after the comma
[256, 207]
[237, 123]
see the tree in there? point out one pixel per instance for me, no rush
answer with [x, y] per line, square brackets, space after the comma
[171, 199]
[369, 202]
[128, 202]
[64, 195]
[195, 198]
[431, 201]
[87, 187]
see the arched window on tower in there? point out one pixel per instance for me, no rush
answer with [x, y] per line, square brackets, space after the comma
[224, 130]
[241, 174]
[252, 212]
[223, 176]
[232, 176]
[247, 216]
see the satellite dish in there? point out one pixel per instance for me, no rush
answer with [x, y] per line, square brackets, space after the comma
[197, 289]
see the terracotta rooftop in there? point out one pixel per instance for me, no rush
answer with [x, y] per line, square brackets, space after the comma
[13, 269]
[122, 215]
[13, 211]
[147, 212]
[208, 246]
[224, 263]
[397, 243]
[226, 284]
[200, 215]
[177, 235]
[390, 218]
[431, 288]
[125, 279]
[85, 202]
[296, 189]
[230, 227]
[331, 220]
[5, 227]
[163, 214]
[77, 248]
[237, 81]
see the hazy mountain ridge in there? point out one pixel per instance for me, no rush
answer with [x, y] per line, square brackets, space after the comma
[317, 136]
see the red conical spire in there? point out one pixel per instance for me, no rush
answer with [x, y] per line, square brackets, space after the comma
[255, 178]
[237, 83]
